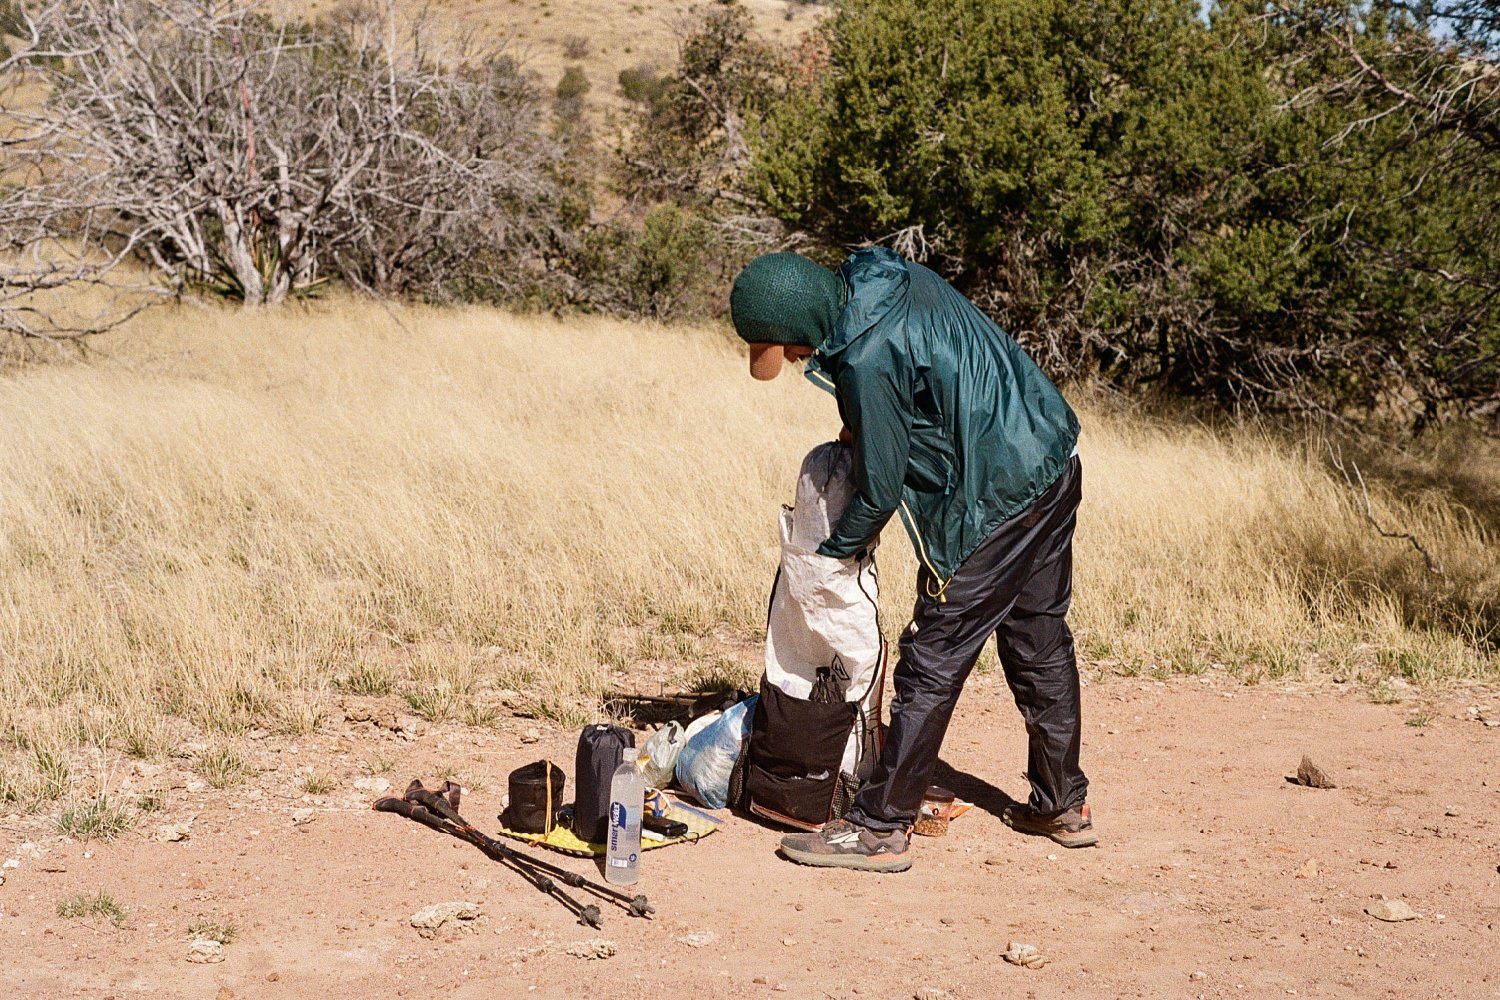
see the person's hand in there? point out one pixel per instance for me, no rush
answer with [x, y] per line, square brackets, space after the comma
[846, 436]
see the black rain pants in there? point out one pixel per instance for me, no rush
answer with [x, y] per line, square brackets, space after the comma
[1016, 586]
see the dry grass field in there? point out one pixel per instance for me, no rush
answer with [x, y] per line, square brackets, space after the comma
[227, 520]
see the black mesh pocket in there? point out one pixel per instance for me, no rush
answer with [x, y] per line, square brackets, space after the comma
[796, 747]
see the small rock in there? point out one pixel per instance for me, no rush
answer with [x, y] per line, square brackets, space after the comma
[946, 921]
[205, 951]
[429, 919]
[195, 785]
[698, 939]
[1450, 812]
[171, 833]
[373, 784]
[1312, 775]
[994, 859]
[11, 863]
[1197, 975]
[1025, 955]
[302, 817]
[1391, 910]
[1309, 869]
[409, 726]
[256, 733]
[789, 942]
[272, 977]
[593, 948]
[932, 993]
[225, 993]
[531, 735]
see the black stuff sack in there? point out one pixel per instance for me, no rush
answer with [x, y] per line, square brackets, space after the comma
[536, 797]
[601, 748]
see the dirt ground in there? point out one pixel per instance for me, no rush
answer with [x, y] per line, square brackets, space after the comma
[1215, 876]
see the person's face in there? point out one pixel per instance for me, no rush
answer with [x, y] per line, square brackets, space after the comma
[765, 359]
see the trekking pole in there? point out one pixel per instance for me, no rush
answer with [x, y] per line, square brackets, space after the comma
[588, 915]
[443, 802]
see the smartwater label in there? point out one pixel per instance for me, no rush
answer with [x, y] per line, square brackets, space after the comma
[616, 823]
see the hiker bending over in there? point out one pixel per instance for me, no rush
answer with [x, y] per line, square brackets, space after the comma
[958, 430]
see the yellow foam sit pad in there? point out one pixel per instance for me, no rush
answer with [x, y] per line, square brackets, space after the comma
[700, 824]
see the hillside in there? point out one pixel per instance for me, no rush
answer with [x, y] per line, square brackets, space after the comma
[602, 38]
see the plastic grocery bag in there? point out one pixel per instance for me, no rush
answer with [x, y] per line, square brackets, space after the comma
[662, 751]
[705, 763]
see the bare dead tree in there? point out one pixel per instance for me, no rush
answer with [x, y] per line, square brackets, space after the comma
[55, 237]
[259, 157]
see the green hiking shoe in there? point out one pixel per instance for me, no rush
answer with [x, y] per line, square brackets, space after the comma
[1070, 827]
[842, 844]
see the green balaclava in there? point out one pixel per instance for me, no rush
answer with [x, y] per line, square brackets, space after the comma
[784, 298]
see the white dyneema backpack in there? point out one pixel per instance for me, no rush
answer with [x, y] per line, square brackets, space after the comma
[816, 731]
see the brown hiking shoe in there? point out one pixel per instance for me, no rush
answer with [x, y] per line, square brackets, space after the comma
[1070, 827]
[842, 844]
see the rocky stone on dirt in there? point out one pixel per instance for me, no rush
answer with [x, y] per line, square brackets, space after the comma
[375, 785]
[1311, 775]
[1025, 955]
[171, 833]
[594, 948]
[699, 939]
[430, 919]
[994, 859]
[409, 727]
[1390, 910]
[932, 993]
[1197, 975]
[205, 951]
[531, 735]
[302, 817]
[1309, 869]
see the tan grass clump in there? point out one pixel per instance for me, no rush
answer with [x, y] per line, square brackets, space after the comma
[229, 518]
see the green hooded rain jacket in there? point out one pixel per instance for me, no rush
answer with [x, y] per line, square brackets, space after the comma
[954, 425]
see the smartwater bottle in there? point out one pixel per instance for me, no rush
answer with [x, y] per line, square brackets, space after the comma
[627, 796]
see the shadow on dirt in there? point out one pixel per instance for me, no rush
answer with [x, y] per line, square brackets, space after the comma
[971, 789]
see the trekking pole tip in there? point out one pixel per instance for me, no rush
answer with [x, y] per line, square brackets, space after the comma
[641, 907]
[591, 917]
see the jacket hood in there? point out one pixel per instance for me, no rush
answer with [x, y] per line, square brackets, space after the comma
[875, 282]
